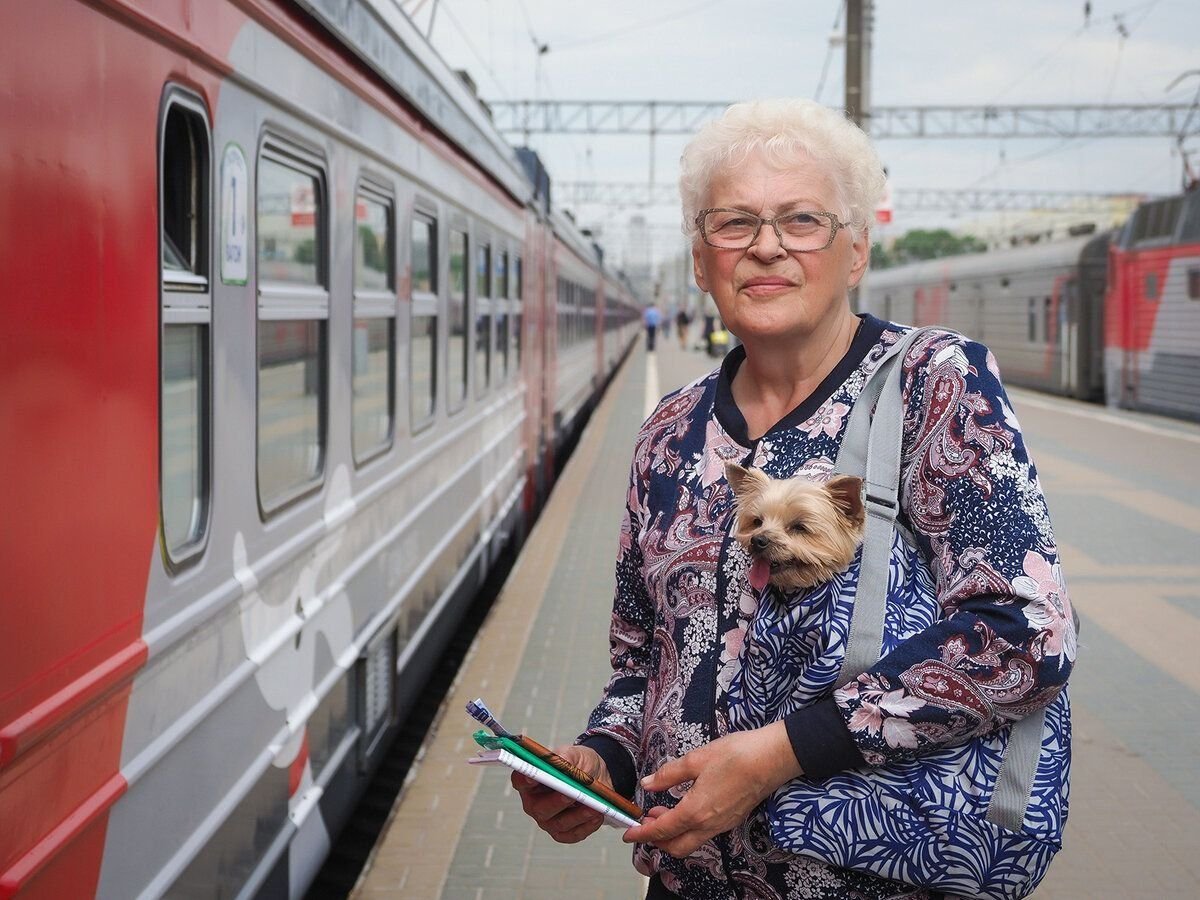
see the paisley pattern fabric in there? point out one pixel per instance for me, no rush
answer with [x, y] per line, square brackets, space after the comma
[978, 634]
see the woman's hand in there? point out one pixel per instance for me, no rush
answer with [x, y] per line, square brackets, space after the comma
[731, 776]
[561, 817]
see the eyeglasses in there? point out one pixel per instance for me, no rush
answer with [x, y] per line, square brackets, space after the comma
[736, 229]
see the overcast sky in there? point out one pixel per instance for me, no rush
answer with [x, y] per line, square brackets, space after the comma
[966, 52]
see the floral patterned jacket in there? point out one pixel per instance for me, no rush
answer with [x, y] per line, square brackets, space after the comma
[978, 631]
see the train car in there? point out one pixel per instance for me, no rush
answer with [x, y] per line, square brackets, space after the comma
[1039, 308]
[1152, 321]
[279, 386]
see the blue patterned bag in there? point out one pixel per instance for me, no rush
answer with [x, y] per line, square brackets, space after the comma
[982, 819]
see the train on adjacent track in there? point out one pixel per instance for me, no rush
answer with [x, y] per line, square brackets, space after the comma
[292, 339]
[1111, 317]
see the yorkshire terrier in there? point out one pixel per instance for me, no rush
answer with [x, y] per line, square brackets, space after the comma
[799, 533]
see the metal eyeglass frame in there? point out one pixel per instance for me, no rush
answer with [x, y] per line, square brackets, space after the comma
[835, 225]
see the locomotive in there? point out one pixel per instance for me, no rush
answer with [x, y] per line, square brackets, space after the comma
[1111, 317]
[292, 340]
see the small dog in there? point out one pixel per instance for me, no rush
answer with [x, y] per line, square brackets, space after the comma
[798, 533]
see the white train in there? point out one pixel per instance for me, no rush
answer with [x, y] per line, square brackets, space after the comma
[294, 337]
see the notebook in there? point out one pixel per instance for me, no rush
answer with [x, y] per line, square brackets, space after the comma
[502, 751]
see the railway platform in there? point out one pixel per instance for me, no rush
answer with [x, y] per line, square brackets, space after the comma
[1125, 494]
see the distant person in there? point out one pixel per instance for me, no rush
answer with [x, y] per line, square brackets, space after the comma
[724, 695]
[710, 324]
[652, 319]
[682, 321]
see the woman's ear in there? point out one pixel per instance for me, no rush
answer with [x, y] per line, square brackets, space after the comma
[698, 268]
[861, 248]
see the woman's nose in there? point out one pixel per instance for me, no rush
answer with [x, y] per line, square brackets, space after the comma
[766, 245]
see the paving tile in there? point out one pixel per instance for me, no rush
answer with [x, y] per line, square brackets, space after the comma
[542, 658]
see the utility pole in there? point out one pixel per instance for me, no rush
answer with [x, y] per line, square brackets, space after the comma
[859, 18]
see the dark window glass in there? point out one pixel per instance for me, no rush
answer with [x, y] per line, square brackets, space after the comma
[184, 434]
[502, 274]
[458, 330]
[293, 310]
[483, 271]
[423, 367]
[502, 340]
[374, 385]
[483, 347]
[424, 255]
[374, 341]
[373, 244]
[288, 238]
[1189, 232]
[291, 389]
[184, 423]
[185, 195]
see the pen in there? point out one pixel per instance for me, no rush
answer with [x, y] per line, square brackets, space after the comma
[573, 771]
[478, 710]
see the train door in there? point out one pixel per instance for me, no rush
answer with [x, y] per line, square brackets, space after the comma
[1068, 336]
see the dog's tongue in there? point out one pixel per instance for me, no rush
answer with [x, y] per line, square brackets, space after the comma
[760, 573]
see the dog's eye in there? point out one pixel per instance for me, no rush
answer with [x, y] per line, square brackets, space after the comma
[797, 528]
[757, 522]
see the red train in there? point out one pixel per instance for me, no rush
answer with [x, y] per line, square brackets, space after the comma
[291, 337]
[1112, 318]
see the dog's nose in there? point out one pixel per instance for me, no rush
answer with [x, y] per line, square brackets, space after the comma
[758, 542]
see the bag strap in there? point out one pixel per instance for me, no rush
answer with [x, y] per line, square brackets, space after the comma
[871, 450]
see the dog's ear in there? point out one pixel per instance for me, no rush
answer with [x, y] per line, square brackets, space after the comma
[744, 482]
[846, 491]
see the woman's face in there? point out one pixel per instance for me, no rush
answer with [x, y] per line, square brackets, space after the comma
[766, 294]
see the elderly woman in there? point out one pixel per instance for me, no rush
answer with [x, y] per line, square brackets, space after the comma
[778, 196]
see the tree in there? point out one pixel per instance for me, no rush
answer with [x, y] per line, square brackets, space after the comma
[921, 244]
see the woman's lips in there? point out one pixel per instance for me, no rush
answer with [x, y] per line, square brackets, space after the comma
[765, 286]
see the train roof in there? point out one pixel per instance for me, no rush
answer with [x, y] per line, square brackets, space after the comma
[982, 265]
[380, 34]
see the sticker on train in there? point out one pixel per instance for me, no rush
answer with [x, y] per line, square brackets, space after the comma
[235, 178]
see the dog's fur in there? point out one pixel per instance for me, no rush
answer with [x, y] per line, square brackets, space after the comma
[800, 532]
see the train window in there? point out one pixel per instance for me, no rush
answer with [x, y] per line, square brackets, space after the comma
[483, 318]
[424, 255]
[519, 285]
[456, 358]
[186, 303]
[501, 274]
[374, 347]
[1193, 283]
[1189, 231]
[1032, 320]
[502, 313]
[423, 327]
[293, 312]
[1047, 320]
[1155, 222]
[423, 368]
[1150, 286]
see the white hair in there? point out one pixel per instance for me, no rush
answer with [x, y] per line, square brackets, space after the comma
[784, 132]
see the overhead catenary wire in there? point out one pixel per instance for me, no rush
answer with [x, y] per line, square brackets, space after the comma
[474, 50]
[1124, 32]
[690, 9]
[837, 21]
